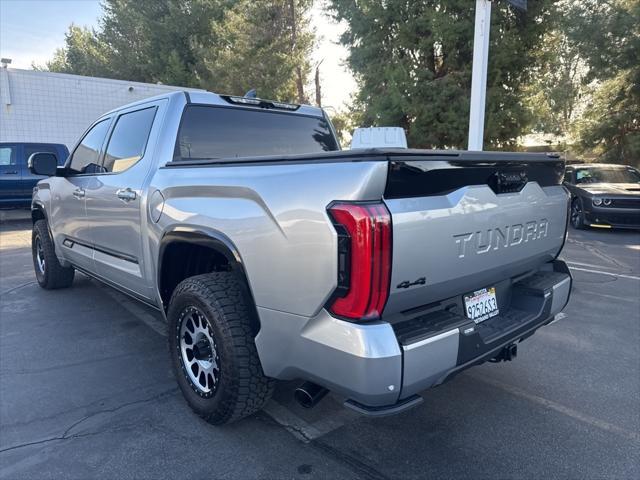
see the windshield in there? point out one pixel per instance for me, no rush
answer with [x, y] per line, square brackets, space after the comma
[214, 132]
[607, 175]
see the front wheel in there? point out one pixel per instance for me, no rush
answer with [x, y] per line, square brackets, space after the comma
[212, 348]
[577, 215]
[49, 272]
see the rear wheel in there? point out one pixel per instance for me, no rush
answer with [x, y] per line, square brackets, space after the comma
[577, 214]
[49, 272]
[212, 348]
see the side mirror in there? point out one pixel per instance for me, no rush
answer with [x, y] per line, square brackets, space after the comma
[43, 163]
[94, 168]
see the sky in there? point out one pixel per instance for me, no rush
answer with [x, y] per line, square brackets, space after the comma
[31, 30]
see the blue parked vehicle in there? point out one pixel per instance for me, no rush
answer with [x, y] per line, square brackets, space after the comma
[16, 181]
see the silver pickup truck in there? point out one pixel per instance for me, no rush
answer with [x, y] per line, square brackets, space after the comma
[273, 254]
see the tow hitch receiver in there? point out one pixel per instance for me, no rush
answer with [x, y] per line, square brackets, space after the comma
[507, 354]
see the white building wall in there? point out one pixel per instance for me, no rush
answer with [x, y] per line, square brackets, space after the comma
[57, 108]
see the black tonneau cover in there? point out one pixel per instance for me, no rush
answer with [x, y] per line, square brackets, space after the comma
[414, 173]
[377, 154]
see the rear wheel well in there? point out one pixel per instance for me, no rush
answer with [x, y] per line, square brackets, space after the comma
[181, 259]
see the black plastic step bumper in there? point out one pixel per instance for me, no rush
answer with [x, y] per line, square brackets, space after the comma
[440, 344]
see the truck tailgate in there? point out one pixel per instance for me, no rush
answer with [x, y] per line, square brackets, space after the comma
[463, 225]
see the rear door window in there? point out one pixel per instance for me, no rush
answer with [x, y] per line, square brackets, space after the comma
[7, 156]
[128, 140]
[208, 132]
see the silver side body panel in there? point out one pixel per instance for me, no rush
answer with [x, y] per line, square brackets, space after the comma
[276, 217]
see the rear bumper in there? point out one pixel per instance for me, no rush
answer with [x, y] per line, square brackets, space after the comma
[383, 366]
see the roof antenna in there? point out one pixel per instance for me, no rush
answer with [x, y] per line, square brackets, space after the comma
[251, 93]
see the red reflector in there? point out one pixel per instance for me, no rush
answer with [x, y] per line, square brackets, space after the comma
[369, 259]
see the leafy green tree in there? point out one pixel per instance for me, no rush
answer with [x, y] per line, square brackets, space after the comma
[344, 125]
[412, 61]
[610, 125]
[83, 54]
[143, 40]
[607, 36]
[557, 90]
[152, 41]
[228, 46]
[264, 45]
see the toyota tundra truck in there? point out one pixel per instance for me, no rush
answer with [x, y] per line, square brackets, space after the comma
[275, 255]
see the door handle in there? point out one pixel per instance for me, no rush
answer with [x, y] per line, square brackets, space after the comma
[126, 194]
[79, 193]
[12, 172]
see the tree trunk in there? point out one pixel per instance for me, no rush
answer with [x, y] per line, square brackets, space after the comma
[318, 89]
[294, 40]
[300, 85]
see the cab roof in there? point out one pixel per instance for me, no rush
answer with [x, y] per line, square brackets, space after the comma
[210, 98]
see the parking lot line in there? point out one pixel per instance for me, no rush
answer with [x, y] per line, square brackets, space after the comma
[595, 422]
[590, 265]
[618, 275]
[617, 298]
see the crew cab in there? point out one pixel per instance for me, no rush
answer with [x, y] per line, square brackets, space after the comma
[273, 254]
[16, 181]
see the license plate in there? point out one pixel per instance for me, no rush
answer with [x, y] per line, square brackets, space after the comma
[481, 304]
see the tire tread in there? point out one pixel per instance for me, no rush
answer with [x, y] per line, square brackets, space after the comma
[56, 276]
[249, 389]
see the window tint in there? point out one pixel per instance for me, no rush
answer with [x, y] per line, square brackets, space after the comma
[212, 132]
[608, 175]
[568, 175]
[86, 154]
[128, 140]
[7, 156]
[31, 149]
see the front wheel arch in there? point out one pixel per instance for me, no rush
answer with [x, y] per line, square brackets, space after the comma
[38, 213]
[50, 273]
[578, 223]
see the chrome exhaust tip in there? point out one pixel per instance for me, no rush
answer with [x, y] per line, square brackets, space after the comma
[309, 394]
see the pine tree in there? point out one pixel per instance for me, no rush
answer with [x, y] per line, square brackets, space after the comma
[607, 35]
[263, 45]
[412, 62]
[227, 46]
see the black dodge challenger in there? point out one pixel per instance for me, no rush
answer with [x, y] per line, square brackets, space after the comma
[604, 196]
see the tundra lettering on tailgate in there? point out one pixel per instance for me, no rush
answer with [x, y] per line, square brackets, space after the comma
[493, 239]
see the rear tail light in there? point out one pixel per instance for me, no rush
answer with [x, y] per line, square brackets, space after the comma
[364, 259]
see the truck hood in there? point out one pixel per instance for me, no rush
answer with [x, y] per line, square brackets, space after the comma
[612, 188]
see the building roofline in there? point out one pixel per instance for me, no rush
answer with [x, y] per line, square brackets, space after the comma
[72, 76]
[202, 95]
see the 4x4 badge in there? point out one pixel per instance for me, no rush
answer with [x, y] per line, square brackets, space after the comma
[407, 283]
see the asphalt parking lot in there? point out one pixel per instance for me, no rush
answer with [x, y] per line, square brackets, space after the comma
[86, 391]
